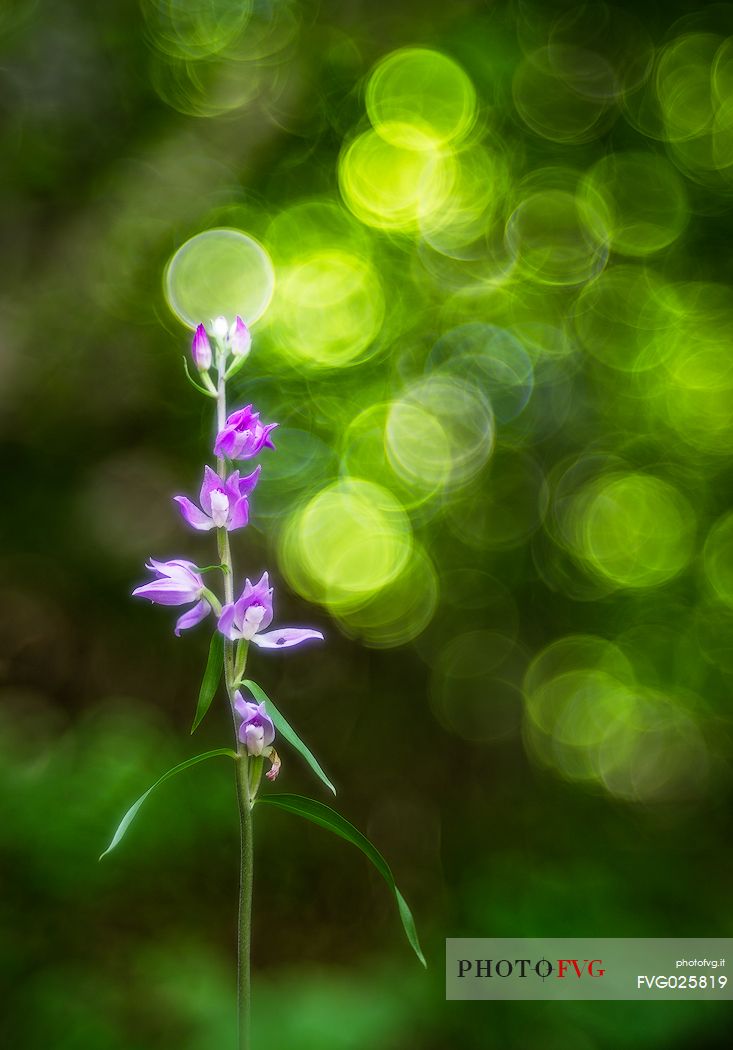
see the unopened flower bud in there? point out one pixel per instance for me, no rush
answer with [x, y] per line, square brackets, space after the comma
[201, 349]
[219, 327]
[240, 340]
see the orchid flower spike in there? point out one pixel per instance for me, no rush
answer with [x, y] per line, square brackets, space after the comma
[223, 503]
[178, 583]
[243, 435]
[252, 613]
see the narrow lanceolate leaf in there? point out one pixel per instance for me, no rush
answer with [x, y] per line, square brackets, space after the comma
[134, 808]
[211, 679]
[287, 732]
[192, 381]
[333, 821]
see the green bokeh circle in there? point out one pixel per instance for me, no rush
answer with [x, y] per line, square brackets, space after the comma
[220, 272]
[418, 98]
[718, 558]
[634, 529]
[640, 200]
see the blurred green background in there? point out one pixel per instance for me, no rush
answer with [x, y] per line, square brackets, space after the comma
[499, 349]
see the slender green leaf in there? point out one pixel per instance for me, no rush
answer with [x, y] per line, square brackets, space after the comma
[192, 381]
[287, 732]
[133, 810]
[211, 679]
[333, 821]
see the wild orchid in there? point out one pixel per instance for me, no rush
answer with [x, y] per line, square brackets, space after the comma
[223, 501]
[241, 622]
[179, 583]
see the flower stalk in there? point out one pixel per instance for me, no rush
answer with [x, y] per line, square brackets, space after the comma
[246, 837]
[223, 507]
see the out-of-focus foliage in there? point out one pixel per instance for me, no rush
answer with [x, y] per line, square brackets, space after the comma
[485, 248]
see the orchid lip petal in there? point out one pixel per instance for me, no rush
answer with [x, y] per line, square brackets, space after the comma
[220, 508]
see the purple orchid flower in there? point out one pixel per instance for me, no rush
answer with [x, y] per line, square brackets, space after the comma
[179, 582]
[244, 435]
[252, 612]
[257, 732]
[223, 503]
[201, 349]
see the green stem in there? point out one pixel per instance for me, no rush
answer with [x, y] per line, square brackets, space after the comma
[245, 899]
[246, 845]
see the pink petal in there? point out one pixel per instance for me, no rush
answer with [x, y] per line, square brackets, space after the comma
[192, 515]
[285, 637]
[240, 515]
[194, 615]
[246, 485]
[226, 623]
[166, 592]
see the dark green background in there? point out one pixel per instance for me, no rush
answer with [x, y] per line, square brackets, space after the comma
[101, 181]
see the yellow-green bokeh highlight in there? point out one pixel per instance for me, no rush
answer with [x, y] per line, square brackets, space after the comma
[417, 445]
[693, 392]
[401, 610]
[554, 241]
[345, 544]
[534, 313]
[589, 720]
[718, 558]
[313, 225]
[455, 416]
[393, 188]
[683, 78]
[379, 445]
[220, 272]
[194, 29]
[418, 98]
[640, 201]
[627, 318]
[634, 529]
[480, 182]
[328, 310]
[587, 651]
